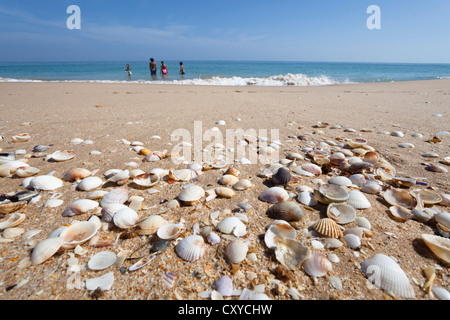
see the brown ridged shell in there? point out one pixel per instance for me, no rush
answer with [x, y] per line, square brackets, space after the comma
[328, 228]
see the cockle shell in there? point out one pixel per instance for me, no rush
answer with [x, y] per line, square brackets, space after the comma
[182, 175]
[372, 187]
[75, 174]
[191, 248]
[62, 155]
[328, 227]
[274, 195]
[429, 196]
[151, 224]
[312, 168]
[307, 198]
[146, 180]
[342, 213]
[281, 177]
[45, 249]
[126, 218]
[228, 179]
[317, 265]
[276, 231]
[385, 273]
[8, 206]
[78, 233]
[358, 179]
[401, 198]
[120, 177]
[109, 210]
[46, 183]
[340, 181]
[119, 195]
[328, 193]
[79, 207]
[191, 195]
[224, 285]
[169, 231]
[400, 213]
[232, 225]
[12, 221]
[337, 158]
[102, 260]
[89, 183]
[236, 251]
[291, 253]
[358, 200]
[440, 246]
[242, 184]
[286, 210]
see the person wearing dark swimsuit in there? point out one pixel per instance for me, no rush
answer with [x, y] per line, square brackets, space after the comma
[152, 67]
[181, 68]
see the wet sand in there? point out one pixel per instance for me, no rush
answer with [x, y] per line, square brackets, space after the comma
[55, 113]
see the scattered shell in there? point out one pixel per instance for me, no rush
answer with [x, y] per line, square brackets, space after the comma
[385, 273]
[224, 192]
[372, 187]
[342, 213]
[357, 143]
[440, 246]
[352, 240]
[45, 249]
[341, 181]
[228, 179]
[282, 176]
[109, 210]
[126, 218]
[78, 233]
[53, 203]
[358, 200]
[441, 293]
[118, 195]
[169, 231]
[312, 168]
[363, 223]
[76, 174]
[120, 177]
[151, 224]
[27, 172]
[317, 265]
[406, 145]
[242, 184]
[79, 207]
[436, 168]
[46, 182]
[397, 134]
[328, 227]
[102, 260]
[103, 283]
[429, 196]
[8, 207]
[191, 248]
[11, 233]
[400, 198]
[191, 195]
[278, 230]
[62, 155]
[224, 285]
[232, 225]
[291, 253]
[274, 195]
[358, 179]
[328, 193]
[146, 180]
[22, 137]
[400, 214]
[89, 183]
[286, 210]
[236, 251]
[307, 198]
[12, 221]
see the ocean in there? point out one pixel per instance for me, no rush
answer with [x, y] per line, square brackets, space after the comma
[236, 73]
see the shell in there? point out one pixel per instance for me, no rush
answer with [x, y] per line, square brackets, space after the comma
[228, 179]
[22, 137]
[400, 198]
[12, 221]
[224, 285]
[371, 157]
[328, 227]
[103, 283]
[363, 223]
[278, 230]
[213, 238]
[286, 210]
[337, 158]
[232, 171]
[358, 179]
[62, 155]
[291, 253]
[224, 192]
[120, 177]
[45, 249]
[443, 218]
[356, 143]
[191, 248]
[242, 184]
[169, 231]
[11, 233]
[119, 195]
[436, 168]
[126, 218]
[236, 251]
[274, 195]
[46, 183]
[146, 180]
[182, 175]
[53, 203]
[232, 225]
[79, 207]
[372, 187]
[341, 181]
[352, 240]
[429, 196]
[385, 273]
[8, 207]
[358, 200]
[102, 260]
[110, 210]
[151, 224]
[78, 233]
[400, 213]
[317, 265]
[440, 246]
[281, 177]
[441, 293]
[342, 213]
[328, 193]
[96, 194]
[312, 168]
[76, 174]
[307, 198]
[191, 195]
[27, 172]
[397, 134]
[89, 183]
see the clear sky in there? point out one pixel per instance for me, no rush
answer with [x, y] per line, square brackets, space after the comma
[283, 30]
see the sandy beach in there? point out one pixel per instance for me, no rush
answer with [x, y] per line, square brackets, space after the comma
[55, 113]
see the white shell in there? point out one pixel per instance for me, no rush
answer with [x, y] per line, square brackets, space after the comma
[342, 213]
[278, 230]
[191, 248]
[53, 203]
[12, 221]
[75, 174]
[291, 253]
[27, 172]
[274, 195]
[242, 184]
[102, 260]
[191, 194]
[89, 183]
[440, 246]
[232, 225]
[79, 207]
[224, 192]
[352, 240]
[78, 233]
[62, 155]
[119, 195]
[385, 273]
[169, 231]
[358, 200]
[45, 249]
[358, 179]
[317, 265]
[110, 210]
[126, 218]
[151, 224]
[236, 251]
[307, 198]
[443, 218]
[224, 285]
[46, 183]
[146, 179]
[22, 137]
[372, 187]
[120, 176]
[341, 181]
[441, 293]
[11, 233]
[103, 283]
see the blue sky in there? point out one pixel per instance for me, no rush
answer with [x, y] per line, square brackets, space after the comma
[291, 30]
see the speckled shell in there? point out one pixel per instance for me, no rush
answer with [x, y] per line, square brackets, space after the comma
[386, 274]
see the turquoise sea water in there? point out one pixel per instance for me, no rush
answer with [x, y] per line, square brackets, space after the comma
[225, 72]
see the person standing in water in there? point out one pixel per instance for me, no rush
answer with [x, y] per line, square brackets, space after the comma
[181, 68]
[164, 71]
[128, 70]
[152, 67]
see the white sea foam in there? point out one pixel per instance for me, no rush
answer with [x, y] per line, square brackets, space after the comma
[280, 80]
